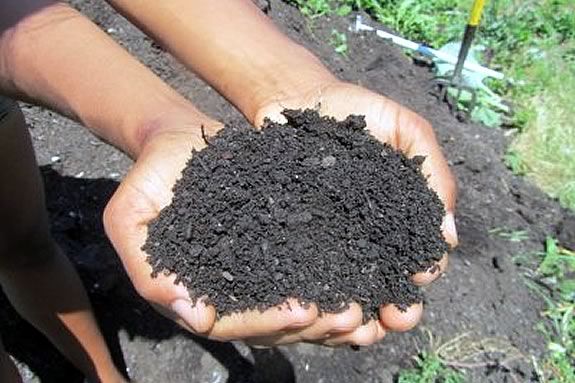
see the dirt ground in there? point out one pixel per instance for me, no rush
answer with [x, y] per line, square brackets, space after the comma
[483, 292]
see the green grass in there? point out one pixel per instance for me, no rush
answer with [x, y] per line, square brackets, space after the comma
[553, 281]
[430, 369]
[545, 149]
[532, 42]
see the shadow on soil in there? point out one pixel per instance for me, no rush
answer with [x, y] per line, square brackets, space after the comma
[75, 206]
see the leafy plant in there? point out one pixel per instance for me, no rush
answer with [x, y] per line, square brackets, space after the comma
[339, 42]
[314, 8]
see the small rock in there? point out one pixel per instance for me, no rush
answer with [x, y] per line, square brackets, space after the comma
[227, 276]
[265, 245]
[328, 161]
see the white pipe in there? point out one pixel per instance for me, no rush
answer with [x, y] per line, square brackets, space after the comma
[407, 44]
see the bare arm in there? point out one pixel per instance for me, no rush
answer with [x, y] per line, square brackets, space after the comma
[52, 55]
[233, 46]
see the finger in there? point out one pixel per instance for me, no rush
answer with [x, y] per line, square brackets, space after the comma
[364, 335]
[254, 323]
[199, 316]
[394, 319]
[434, 272]
[329, 323]
[324, 326]
[449, 229]
[175, 314]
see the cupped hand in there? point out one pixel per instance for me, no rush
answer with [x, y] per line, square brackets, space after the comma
[142, 194]
[405, 130]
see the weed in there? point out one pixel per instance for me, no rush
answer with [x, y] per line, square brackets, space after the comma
[443, 361]
[514, 161]
[339, 42]
[510, 235]
[314, 8]
[429, 369]
[553, 281]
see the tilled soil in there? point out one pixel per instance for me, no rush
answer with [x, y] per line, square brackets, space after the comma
[314, 209]
[483, 292]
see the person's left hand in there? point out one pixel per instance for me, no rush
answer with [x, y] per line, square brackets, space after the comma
[413, 135]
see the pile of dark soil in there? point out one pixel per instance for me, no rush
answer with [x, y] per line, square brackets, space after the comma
[314, 209]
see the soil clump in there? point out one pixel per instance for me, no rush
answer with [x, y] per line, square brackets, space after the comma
[315, 209]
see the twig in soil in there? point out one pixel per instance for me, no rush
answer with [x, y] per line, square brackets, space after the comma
[204, 136]
[188, 233]
[369, 204]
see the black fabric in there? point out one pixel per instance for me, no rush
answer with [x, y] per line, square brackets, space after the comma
[6, 106]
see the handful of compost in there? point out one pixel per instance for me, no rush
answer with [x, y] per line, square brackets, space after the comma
[313, 209]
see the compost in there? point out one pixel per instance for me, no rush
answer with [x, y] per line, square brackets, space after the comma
[314, 209]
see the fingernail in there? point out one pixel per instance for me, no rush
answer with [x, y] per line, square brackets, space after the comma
[449, 225]
[188, 313]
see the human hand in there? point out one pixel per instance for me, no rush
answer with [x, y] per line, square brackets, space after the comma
[405, 130]
[142, 194]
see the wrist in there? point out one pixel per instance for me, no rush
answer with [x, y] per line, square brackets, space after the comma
[287, 79]
[304, 96]
[175, 122]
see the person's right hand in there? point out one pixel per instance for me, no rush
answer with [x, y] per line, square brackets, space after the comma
[408, 132]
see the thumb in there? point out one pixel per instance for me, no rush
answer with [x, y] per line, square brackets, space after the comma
[449, 230]
[199, 316]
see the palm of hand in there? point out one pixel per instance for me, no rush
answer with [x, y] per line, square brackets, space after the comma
[140, 197]
[147, 189]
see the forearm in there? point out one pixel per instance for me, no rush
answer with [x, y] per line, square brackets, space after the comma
[58, 58]
[232, 45]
